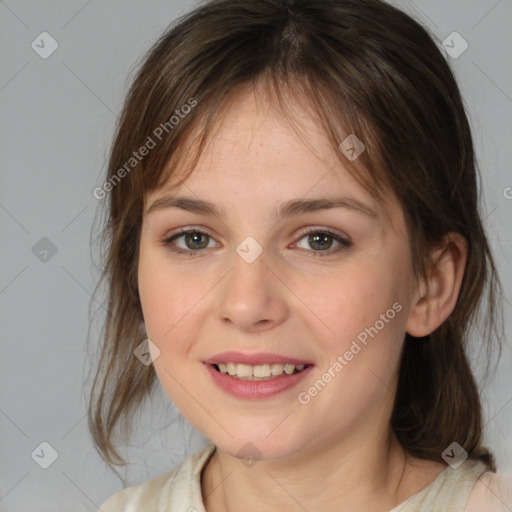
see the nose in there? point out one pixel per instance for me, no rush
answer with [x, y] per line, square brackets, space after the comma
[252, 298]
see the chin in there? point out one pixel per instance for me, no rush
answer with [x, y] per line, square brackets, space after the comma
[251, 449]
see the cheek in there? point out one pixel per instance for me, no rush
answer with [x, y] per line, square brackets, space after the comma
[365, 315]
[357, 297]
[166, 294]
[361, 354]
[167, 298]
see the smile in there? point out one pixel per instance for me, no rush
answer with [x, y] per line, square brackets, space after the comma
[256, 375]
[259, 372]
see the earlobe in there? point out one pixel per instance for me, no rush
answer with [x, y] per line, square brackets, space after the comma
[438, 291]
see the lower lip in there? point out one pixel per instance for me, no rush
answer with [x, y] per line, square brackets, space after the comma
[255, 389]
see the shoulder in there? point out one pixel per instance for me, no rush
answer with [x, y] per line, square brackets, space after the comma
[453, 489]
[181, 484]
[492, 493]
[139, 496]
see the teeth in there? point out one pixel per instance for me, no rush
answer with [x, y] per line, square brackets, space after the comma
[277, 369]
[259, 371]
[243, 370]
[289, 368]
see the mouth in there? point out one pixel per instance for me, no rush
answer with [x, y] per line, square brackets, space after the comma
[256, 376]
[258, 372]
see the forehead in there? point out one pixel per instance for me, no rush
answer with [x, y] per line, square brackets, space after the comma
[256, 152]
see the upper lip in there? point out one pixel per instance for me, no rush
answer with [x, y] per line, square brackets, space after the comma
[254, 359]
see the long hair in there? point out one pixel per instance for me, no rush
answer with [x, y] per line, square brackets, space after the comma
[362, 67]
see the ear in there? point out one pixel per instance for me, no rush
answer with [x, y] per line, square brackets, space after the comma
[437, 293]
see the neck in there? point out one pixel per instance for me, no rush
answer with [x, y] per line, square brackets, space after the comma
[355, 475]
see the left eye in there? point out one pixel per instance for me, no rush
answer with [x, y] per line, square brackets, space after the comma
[321, 242]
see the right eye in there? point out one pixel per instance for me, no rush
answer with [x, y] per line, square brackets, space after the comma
[193, 241]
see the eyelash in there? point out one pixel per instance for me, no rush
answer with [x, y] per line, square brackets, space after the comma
[344, 243]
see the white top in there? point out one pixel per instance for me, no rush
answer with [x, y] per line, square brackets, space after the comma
[180, 490]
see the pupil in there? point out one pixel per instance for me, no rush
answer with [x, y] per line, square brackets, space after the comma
[191, 238]
[316, 239]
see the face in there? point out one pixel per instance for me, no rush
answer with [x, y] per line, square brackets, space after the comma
[323, 288]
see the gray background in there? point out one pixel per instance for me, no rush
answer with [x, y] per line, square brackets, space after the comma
[57, 120]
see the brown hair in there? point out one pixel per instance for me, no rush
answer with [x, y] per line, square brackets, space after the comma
[364, 68]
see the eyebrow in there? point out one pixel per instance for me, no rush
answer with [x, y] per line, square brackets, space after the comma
[286, 209]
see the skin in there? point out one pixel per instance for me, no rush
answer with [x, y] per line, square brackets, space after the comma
[290, 302]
